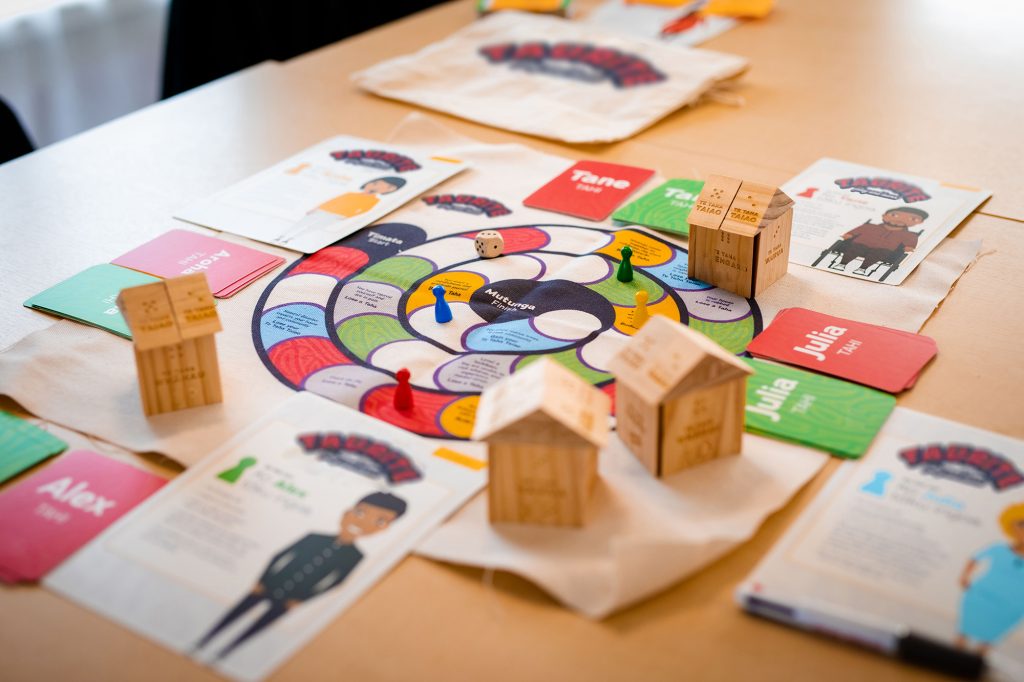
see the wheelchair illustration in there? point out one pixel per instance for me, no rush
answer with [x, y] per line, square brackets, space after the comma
[890, 262]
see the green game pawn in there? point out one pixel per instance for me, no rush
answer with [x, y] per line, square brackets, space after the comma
[625, 273]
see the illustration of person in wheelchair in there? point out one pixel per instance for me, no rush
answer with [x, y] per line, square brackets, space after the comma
[877, 245]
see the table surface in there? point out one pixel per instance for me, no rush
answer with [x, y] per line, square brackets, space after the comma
[926, 88]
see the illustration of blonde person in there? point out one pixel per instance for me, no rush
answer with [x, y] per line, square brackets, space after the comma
[993, 582]
[347, 205]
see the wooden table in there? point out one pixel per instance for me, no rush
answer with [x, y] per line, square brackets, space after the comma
[921, 87]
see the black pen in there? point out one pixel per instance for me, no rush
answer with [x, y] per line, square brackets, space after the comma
[897, 642]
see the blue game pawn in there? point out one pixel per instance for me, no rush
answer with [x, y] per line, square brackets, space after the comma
[442, 313]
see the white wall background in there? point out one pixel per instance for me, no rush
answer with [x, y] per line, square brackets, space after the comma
[68, 66]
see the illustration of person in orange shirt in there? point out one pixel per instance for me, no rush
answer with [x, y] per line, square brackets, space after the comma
[348, 205]
[877, 243]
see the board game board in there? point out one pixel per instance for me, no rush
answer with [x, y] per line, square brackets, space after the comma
[342, 321]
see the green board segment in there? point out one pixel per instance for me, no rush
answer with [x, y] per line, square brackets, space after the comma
[815, 410]
[666, 208]
[401, 271]
[570, 359]
[624, 293]
[366, 333]
[732, 336]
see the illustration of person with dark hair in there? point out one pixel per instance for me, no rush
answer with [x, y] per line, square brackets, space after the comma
[992, 604]
[347, 205]
[880, 242]
[308, 568]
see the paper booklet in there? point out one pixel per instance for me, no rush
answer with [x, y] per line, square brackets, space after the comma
[323, 193]
[872, 224]
[925, 534]
[246, 556]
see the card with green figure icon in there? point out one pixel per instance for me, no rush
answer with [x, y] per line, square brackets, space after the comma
[815, 410]
[90, 297]
[665, 208]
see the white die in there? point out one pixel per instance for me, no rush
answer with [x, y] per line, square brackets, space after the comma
[489, 244]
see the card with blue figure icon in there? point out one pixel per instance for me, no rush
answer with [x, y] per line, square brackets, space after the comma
[924, 535]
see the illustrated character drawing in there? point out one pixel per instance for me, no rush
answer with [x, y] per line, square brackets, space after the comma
[347, 205]
[992, 604]
[875, 243]
[308, 568]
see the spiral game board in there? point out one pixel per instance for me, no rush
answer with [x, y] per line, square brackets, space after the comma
[343, 321]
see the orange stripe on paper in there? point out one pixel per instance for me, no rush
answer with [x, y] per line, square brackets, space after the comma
[460, 459]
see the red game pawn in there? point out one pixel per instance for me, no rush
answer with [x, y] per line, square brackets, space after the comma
[403, 392]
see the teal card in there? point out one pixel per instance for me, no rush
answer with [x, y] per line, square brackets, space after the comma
[813, 409]
[664, 208]
[23, 444]
[91, 297]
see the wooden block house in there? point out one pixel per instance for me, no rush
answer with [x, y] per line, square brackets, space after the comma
[680, 398]
[739, 235]
[544, 426]
[172, 324]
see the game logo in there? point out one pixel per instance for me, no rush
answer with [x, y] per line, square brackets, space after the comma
[886, 188]
[376, 158]
[578, 61]
[361, 455]
[468, 203]
[964, 463]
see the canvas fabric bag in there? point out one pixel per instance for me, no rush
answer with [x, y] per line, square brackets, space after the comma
[551, 77]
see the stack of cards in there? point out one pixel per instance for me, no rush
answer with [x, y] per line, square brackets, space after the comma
[90, 297]
[23, 444]
[807, 408]
[665, 208]
[49, 515]
[880, 357]
[228, 267]
[590, 189]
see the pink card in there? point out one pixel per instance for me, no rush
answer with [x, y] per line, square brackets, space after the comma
[46, 517]
[228, 266]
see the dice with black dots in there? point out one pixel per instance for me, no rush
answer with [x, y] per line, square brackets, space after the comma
[489, 244]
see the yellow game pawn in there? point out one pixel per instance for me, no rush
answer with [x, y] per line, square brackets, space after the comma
[640, 314]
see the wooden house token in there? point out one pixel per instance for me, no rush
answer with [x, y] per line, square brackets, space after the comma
[544, 426]
[680, 398]
[172, 324]
[739, 235]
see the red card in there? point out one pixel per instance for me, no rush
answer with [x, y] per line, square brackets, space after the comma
[46, 517]
[590, 189]
[883, 358]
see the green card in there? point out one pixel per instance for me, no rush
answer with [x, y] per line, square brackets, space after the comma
[23, 444]
[665, 208]
[91, 297]
[815, 410]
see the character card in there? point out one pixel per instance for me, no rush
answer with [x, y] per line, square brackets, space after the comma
[665, 208]
[814, 410]
[271, 536]
[323, 193]
[883, 358]
[590, 189]
[871, 224]
[23, 444]
[228, 267]
[924, 534]
[90, 297]
[49, 515]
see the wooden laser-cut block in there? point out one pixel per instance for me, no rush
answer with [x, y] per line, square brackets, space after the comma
[739, 235]
[172, 324]
[680, 398]
[544, 426]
